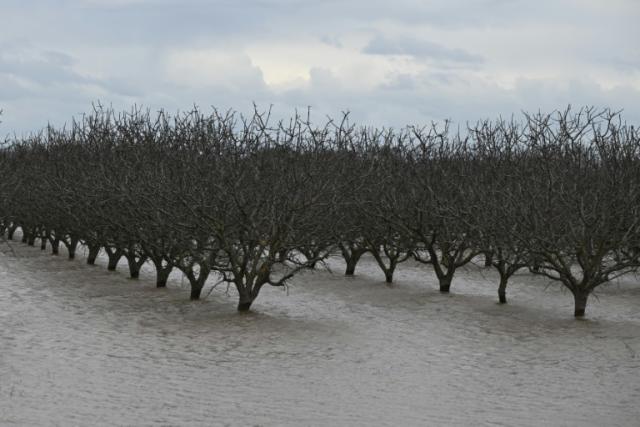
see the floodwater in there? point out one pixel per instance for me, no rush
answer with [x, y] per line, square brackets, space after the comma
[83, 346]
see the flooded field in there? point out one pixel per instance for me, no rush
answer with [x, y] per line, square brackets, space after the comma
[83, 346]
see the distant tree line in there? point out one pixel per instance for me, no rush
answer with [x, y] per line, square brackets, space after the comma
[253, 202]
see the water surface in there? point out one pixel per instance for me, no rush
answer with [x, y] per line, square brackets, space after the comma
[83, 346]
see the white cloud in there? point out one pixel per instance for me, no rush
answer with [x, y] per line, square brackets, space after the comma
[213, 68]
[390, 65]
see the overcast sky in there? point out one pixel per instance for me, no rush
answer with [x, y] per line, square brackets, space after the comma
[390, 63]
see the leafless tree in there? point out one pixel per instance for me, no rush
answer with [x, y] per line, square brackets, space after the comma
[434, 174]
[579, 196]
[498, 150]
[254, 203]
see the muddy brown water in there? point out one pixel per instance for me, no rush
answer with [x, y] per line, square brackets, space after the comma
[83, 346]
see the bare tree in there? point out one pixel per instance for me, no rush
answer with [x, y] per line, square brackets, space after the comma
[498, 149]
[427, 206]
[580, 190]
[254, 203]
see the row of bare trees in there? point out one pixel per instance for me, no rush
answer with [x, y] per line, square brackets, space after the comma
[252, 203]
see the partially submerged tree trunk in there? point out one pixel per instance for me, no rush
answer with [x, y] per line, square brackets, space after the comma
[248, 291]
[31, 237]
[11, 231]
[445, 281]
[507, 267]
[71, 242]
[393, 255]
[197, 281]
[197, 273]
[594, 273]
[352, 262]
[249, 285]
[450, 259]
[388, 275]
[94, 251]
[162, 273]
[244, 304]
[55, 245]
[135, 262]
[351, 252]
[502, 289]
[114, 255]
[43, 241]
[580, 298]
[386, 269]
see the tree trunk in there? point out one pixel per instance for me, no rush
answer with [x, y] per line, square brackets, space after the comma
[195, 292]
[114, 257]
[488, 259]
[43, 243]
[198, 284]
[580, 298]
[55, 246]
[445, 284]
[196, 288]
[352, 261]
[388, 276]
[71, 245]
[351, 267]
[351, 256]
[246, 299]
[162, 272]
[135, 263]
[31, 239]
[244, 305]
[502, 289]
[162, 275]
[134, 268]
[10, 231]
[94, 250]
[388, 271]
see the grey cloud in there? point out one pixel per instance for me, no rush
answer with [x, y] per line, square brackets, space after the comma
[175, 22]
[331, 40]
[43, 68]
[32, 71]
[39, 80]
[546, 94]
[411, 100]
[420, 99]
[421, 49]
